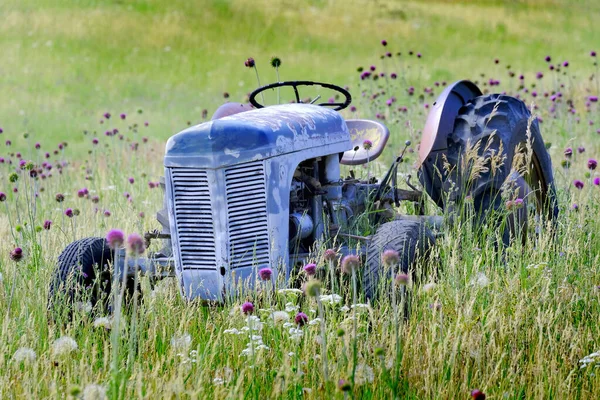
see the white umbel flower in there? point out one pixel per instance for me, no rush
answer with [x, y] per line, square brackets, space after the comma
[480, 280]
[280, 316]
[102, 322]
[181, 343]
[63, 345]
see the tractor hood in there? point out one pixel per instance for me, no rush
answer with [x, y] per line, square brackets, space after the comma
[255, 135]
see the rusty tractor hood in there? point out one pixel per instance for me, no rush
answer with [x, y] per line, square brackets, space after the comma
[255, 135]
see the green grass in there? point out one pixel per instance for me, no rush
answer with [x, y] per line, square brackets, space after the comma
[514, 325]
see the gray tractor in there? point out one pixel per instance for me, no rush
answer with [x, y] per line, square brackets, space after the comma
[262, 187]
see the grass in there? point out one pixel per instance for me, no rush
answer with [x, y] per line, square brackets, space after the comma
[513, 325]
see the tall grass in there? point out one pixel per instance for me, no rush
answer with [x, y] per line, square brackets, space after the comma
[517, 324]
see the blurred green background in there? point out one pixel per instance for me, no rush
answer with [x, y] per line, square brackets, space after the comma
[64, 63]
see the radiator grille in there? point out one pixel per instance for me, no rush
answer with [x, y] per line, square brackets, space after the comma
[193, 218]
[247, 215]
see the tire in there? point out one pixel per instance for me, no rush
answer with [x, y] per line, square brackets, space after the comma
[83, 276]
[412, 239]
[500, 125]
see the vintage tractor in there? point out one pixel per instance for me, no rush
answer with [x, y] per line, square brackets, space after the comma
[261, 187]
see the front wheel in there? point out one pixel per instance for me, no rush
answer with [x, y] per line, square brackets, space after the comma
[412, 239]
[83, 279]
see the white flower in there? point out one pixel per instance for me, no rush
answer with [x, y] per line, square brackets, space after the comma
[289, 291]
[312, 311]
[288, 325]
[364, 374]
[232, 331]
[344, 308]
[181, 343]
[94, 392]
[360, 306]
[315, 321]
[103, 322]
[24, 354]
[218, 381]
[428, 287]
[296, 334]
[291, 307]
[63, 345]
[85, 307]
[291, 354]
[480, 280]
[280, 316]
[330, 298]
[262, 347]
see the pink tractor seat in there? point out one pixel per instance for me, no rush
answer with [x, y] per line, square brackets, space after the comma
[362, 130]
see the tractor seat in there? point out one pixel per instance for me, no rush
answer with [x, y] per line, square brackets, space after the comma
[362, 130]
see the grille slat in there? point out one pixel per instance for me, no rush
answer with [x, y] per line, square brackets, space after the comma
[193, 219]
[247, 215]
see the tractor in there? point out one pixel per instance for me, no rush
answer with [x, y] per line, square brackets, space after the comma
[260, 187]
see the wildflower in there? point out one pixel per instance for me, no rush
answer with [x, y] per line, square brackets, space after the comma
[350, 263]
[94, 392]
[367, 144]
[592, 54]
[2, 196]
[581, 149]
[568, 152]
[291, 307]
[390, 257]
[301, 319]
[115, 238]
[47, 224]
[539, 75]
[247, 308]
[330, 255]
[24, 355]
[575, 207]
[107, 115]
[518, 203]
[548, 59]
[565, 64]
[477, 394]
[249, 62]
[402, 279]
[265, 274]
[592, 164]
[102, 322]
[95, 141]
[313, 287]
[428, 287]
[181, 343]
[280, 316]
[384, 42]
[16, 254]
[596, 181]
[593, 99]
[106, 213]
[364, 374]
[344, 385]
[578, 184]
[131, 180]
[123, 116]
[330, 298]
[135, 244]
[480, 280]
[63, 345]
[69, 212]
[310, 269]
[275, 62]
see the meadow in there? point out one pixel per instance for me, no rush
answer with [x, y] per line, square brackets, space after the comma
[92, 90]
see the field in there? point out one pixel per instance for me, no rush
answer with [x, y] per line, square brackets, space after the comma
[92, 90]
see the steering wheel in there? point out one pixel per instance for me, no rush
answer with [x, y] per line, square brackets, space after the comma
[295, 84]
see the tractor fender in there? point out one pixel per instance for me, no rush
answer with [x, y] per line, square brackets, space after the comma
[440, 121]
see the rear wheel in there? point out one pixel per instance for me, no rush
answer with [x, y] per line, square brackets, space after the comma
[412, 239]
[83, 279]
[493, 136]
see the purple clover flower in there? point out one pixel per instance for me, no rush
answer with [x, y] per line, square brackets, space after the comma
[310, 269]
[578, 184]
[69, 212]
[350, 263]
[265, 274]
[301, 319]
[135, 244]
[390, 257]
[247, 308]
[592, 164]
[115, 238]
[47, 224]
[16, 254]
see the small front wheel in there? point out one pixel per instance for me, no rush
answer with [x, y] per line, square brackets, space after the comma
[83, 278]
